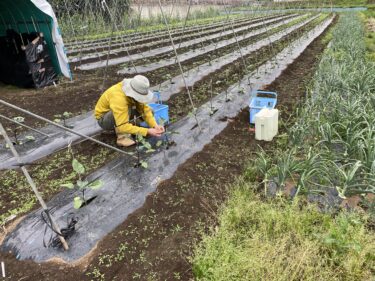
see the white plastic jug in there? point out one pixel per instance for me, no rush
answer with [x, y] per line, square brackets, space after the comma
[266, 124]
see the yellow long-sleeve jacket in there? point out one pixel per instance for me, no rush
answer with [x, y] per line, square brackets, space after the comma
[116, 100]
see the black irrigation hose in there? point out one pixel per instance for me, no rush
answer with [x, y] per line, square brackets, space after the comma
[67, 232]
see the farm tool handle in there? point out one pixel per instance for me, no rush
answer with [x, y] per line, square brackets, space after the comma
[62, 127]
[55, 226]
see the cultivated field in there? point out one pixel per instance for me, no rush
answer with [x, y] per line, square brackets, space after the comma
[206, 200]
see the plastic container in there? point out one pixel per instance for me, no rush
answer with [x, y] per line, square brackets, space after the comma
[260, 100]
[160, 110]
[266, 124]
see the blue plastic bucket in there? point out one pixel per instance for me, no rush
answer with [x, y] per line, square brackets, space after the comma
[260, 100]
[160, 113]
[160, 110]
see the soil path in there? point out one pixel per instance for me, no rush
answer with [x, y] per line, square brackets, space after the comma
[154, 243]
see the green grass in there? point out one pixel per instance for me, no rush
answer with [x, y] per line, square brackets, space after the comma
[276, 240]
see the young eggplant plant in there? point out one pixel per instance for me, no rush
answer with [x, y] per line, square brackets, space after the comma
[81, 184]
[227, 97]
[142, 144]
[166, 136]
[213, 110]
[15, 128]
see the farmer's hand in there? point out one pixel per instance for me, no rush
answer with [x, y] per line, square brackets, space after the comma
[160, 129]
[153, 132]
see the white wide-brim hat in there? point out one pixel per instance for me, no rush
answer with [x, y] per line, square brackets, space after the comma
[138, 88]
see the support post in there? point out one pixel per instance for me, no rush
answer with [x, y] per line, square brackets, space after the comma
[33, 186]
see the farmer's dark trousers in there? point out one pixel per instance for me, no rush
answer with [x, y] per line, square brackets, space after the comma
[107, 121]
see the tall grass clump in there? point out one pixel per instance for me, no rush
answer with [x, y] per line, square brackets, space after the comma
[276, 240]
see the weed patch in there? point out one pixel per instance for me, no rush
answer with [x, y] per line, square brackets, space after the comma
[276, 240]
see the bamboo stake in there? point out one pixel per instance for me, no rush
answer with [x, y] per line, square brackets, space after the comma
[179, 64]
[104, 3]
[237, 43]
[23, 125]
[64, 128]
[33, 186]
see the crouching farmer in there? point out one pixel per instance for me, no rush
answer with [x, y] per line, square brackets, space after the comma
[120, 103]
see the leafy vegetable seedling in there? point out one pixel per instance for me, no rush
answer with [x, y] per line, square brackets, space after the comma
[166, 141]
[82, 185]
[142, 143]
[66, 115]
[15, 130]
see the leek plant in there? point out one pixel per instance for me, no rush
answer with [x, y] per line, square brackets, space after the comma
[332, 144]
[338, 117]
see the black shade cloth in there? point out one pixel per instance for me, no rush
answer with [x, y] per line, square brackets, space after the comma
[25, 67]
[42, 71]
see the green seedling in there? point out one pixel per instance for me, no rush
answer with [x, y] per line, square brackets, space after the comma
[213, 110]
[15, 129]
[142, 143]
[193, 113]
[227, 98]
[169, 77]
[64, 117]
[29, 139]
[81, 185]
[166, 141]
